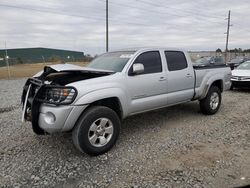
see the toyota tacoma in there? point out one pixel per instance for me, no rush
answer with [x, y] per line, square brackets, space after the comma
[92, 101]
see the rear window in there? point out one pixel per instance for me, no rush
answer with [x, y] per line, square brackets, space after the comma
[175, 60]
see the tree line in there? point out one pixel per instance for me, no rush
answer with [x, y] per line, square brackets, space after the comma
[235, 50]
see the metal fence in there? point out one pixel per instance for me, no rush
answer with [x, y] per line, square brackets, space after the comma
[17, 70]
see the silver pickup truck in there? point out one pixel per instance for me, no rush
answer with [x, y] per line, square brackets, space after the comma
[92, 101]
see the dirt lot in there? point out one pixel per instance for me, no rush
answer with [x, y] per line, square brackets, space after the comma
[172, 147]
[26, 70]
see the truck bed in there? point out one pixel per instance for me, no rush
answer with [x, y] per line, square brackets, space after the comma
[203, 74]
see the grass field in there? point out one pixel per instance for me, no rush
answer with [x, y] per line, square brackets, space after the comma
[27, 70]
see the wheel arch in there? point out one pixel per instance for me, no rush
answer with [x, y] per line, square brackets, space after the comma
[113, 98]
[219, 84]
[216, 82]
[112, 103]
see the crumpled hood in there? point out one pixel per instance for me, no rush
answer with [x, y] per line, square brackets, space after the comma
[238, 72]
[63, 67]
[70, 67]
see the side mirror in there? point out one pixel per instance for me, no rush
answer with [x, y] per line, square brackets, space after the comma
[138, 68]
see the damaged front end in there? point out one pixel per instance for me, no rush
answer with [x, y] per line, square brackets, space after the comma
[31, 106]
[51, 88]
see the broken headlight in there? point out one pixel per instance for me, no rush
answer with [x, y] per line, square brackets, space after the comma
[58, 95]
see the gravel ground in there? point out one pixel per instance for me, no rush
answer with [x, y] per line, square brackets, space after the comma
[172, 147]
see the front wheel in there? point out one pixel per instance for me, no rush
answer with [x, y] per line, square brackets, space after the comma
[96, 131]
[211, 103]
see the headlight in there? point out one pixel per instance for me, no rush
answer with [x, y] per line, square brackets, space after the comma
[57, 95]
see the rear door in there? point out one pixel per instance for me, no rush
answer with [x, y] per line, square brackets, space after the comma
[149, 89]
[180, 76]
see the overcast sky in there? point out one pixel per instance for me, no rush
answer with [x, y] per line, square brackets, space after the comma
[80, 24]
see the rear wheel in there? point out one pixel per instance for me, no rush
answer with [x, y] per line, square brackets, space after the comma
[96, 131]
[211, 103]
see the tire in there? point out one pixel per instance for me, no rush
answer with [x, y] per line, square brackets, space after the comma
[93, 133]
[211, 103]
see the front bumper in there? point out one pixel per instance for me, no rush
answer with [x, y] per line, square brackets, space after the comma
[240, 84]
[227, 85]
[54, 119]
[47, 118]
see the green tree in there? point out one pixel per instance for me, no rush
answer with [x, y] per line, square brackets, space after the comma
[219, 50]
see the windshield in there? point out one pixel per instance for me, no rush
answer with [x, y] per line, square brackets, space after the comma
[203, 60]
[244, 66]
[113, 61]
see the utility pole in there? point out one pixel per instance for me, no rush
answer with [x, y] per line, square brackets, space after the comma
[7, 60]
[228, 27]
[107, 26]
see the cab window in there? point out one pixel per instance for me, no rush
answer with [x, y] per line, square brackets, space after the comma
[175, 60]
[151, 62]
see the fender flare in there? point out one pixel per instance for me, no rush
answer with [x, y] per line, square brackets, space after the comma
[96, 95]
[209, 83]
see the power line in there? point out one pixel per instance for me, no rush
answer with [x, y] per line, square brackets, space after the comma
[85, 17]
[63, 14]
[189, 12]
[140, 8]
[49, 11]
[60, 13]
[161, 13]
[78, 16]
[178, 9]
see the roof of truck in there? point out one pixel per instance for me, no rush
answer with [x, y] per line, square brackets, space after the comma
[149, 48]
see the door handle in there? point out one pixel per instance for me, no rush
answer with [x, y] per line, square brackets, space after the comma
[189, 75]
[162, 78]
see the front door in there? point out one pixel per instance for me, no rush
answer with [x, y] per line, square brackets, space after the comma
[148, 89]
